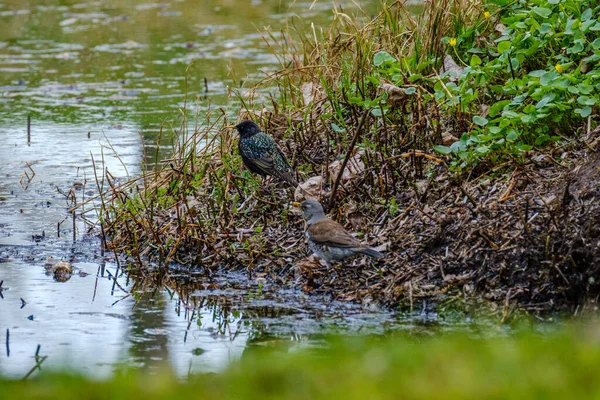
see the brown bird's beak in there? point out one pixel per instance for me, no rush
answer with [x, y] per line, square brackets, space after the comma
[296, 204]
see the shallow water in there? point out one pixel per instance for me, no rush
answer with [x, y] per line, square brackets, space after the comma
[99, 79]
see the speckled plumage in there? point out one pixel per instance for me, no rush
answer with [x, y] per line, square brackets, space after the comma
[328, 239]
[261, 154]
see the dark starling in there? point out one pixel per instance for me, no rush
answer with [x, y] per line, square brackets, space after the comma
[261, 154]
[328, 239]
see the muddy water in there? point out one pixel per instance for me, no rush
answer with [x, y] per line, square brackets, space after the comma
[98, 80]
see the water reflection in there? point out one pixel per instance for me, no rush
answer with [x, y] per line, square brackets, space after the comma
[119, 61]
[148, 334]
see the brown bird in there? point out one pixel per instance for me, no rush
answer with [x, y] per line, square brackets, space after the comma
[328, 239]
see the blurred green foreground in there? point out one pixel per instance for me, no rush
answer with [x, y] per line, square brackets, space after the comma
[560, 365]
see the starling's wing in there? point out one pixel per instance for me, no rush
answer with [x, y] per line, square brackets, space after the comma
[270, 159]
[256, 152]
[281, 155]
[330, 233]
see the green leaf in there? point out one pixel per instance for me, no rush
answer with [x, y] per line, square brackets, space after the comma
[561, 83]
[382, 57]
[483, 149]
[410, 90]
[537, 73]
[542, 11]
[523, 147]
[376, 112]
[512, 135]
[510, 114]
[476, 50]
[545, 28]
[587, 14]
[583, 100]
[496, 108]
[337, 129]
[587, 25]
[442, 149]
[475, 60]
[548, 97]
[585, 88]
[577, 48]
[584, 112]
[542, 139]
[527, 118]
[547, 78]
[479, 120]
[503, 46]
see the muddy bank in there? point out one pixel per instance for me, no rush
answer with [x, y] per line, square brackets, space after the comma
[523, 236]
[519, 236]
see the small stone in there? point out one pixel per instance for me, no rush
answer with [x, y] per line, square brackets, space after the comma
[198, 351]
[62, 271]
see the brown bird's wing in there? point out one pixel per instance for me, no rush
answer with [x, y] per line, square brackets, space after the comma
[330, 233]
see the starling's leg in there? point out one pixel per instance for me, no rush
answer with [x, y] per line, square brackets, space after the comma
[262, 185]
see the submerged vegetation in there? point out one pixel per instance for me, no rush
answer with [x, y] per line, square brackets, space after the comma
[463, 141]
[557, 366]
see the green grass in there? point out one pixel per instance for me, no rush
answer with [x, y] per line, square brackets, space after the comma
[562, 365]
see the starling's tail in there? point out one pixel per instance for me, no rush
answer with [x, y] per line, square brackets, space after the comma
[288, 177]
[371, 253]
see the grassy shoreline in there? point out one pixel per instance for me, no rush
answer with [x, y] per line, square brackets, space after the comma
[559, 365]
[475, 152]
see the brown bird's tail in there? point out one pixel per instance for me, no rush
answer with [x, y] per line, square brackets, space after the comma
[370, 252]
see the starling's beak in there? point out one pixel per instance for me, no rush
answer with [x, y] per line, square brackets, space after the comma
[296, 204]
[230, 127]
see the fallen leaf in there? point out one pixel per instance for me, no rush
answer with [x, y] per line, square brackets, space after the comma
[311, 189]
[452, 68]
[312, 91]
[448, 138]
[354, 167]
[396, 95]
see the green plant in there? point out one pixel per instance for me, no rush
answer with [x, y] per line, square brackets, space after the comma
[533, 75]
[529, 76]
